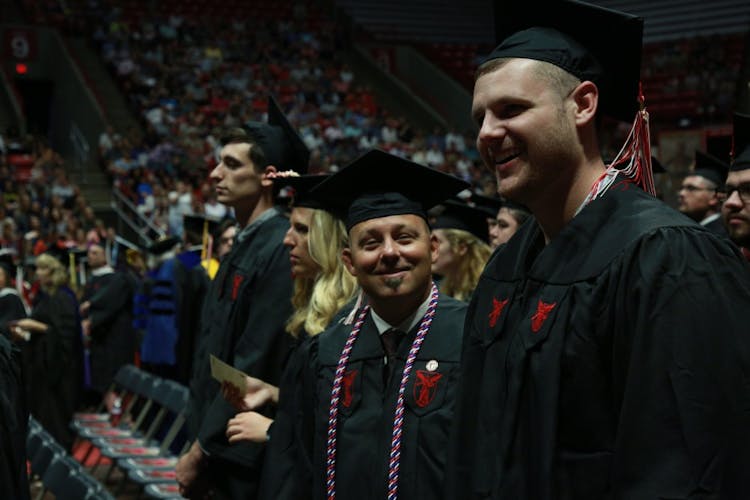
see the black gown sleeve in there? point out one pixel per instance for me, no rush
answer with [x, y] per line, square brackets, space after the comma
[682, 369]
[13, 418]
[287, 473]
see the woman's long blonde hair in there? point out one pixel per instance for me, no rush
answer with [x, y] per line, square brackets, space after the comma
[317, 300]
[461, 281]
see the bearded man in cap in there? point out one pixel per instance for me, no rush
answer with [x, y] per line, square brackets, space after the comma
[736, 208]
[701, 193]
[377, 393]
[606, 354]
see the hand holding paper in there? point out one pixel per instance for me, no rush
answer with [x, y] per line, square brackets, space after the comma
[227, 373]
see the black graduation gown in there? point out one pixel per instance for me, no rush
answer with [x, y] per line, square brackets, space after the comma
[367, 409]
[191, 284]
[11, 308]
[243, 320]
[613, 363]
[113, 339]
[53, 364]
[13, 420]
[287, 472]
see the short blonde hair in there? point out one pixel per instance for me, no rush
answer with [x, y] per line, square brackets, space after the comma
[57, 271]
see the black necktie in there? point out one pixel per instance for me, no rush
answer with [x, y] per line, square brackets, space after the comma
[391, 339]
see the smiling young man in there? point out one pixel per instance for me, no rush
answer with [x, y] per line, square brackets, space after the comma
[383, 385]
[246, 308]
[606, 350]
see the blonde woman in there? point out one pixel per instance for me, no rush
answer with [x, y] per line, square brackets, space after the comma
[52, 353]
[462, 232]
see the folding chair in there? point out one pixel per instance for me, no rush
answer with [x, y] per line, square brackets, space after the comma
[173, 399]
[135, 383]
[48, 453]
[45, 453]
[161, 469]
[136, 417]
[163, 491]
[63, 480]
[123, 382]
[140, 431]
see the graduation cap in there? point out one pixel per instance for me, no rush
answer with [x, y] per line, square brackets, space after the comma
[379, 184]
[741, 142]
[657, 167]
[711, 168]
[162, 245]
[281, 144]
[199, 225]
[63, 255]
[590, 42]
[489, 204]
[457, 215]
[300, 189]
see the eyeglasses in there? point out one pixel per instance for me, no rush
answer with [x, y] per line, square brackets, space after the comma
[691, 189]
[743, 191]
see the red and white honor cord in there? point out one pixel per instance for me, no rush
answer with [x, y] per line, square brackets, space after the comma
[398, 420]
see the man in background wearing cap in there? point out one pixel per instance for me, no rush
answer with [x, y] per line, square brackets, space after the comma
[606, 353]
[503, 217]
[700, 193]
[107, 309]
[246, 307]
[384, 386]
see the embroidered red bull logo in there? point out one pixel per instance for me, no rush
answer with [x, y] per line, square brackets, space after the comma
[542, 311]
[236, 283]
[425, 387]
[497, 310]
[347, 383]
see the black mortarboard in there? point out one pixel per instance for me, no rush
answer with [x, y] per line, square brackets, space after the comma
[741, 142]
[63, 255]
[162, 245]
[7, 262]
[59, 253]
[591, 42]
[457, 215]
[281, 144]
[489, 204]
[657, 167]
[378, 184]
[711, 168]
[196, 224]
[301, 186]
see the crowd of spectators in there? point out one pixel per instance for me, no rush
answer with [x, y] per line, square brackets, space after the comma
[189, 80]
[46, 209]
[189, 77]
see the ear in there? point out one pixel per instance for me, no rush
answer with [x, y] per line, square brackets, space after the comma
[265, 180]
[346, 258]
[434, 247]
[586, 99]
[462, 249]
